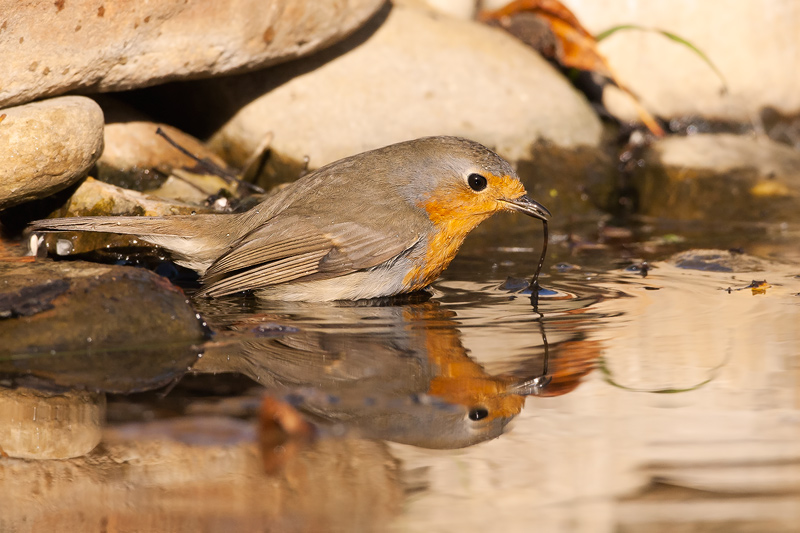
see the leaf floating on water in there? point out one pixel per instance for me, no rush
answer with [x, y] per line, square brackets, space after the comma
[759, 287]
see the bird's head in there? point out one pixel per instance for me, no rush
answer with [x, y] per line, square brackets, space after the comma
[457, 180]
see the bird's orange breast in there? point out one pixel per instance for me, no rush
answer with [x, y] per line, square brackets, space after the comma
[454, 212]
[443, 244]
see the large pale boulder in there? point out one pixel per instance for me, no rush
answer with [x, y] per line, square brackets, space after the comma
[47, 146]
[416, 74]
[53, 47]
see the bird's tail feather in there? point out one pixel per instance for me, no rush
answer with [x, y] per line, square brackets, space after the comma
[194, 241]
[130, 225]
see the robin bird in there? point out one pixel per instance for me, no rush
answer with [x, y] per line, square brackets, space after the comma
[379, 223]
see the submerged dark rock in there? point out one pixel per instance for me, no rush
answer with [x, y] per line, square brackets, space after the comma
[717, 261]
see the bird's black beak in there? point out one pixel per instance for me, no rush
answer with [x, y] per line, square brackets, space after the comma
[532, 208]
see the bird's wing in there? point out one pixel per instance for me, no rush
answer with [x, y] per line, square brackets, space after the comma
[291, 247]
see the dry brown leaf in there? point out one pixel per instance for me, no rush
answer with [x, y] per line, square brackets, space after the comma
[577, 48]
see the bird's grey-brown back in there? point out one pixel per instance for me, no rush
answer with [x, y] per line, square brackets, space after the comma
[384, 179]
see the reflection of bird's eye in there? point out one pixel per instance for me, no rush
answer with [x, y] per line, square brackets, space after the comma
[476, 182]
[478, 413]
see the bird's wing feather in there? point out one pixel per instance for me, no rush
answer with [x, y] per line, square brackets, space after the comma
[125, 225]
[259, 276]
[290, 247]
[283, 237]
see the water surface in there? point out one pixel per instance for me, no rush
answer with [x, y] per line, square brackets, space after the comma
[662, 402]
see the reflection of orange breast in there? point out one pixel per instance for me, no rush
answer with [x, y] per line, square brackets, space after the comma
[457, 379]
[489, 392]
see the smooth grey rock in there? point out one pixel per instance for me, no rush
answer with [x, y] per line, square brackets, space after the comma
[47, 146]
[53, 47]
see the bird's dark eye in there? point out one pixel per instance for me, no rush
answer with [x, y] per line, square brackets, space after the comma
[478, 413]
[476, 182]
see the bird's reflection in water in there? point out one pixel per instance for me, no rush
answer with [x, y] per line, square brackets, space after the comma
[398, 373]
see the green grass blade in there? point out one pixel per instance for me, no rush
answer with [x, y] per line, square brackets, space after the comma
[671, 36]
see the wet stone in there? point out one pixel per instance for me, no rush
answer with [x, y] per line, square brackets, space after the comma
[29, 301]
[720, 177]
[47, 146]
[94, 327]
[95, 198]
[718, 261]
[514, 284]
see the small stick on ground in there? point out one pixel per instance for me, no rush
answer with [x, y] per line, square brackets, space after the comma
[210, 166]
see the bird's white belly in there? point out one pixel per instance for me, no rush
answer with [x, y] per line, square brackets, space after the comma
[383, 281]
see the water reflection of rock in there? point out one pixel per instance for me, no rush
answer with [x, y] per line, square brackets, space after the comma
[69, 334]
[40, 425]
[406, 379]
[161, 484]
